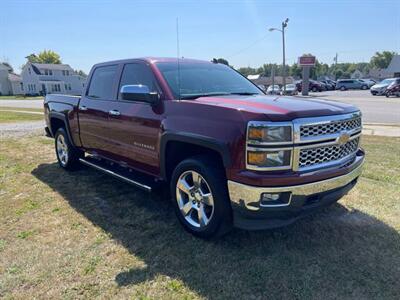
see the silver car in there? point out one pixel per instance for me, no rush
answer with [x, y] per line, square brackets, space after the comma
[380, 88]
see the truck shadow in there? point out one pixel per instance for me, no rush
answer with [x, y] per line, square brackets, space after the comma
[336, 252]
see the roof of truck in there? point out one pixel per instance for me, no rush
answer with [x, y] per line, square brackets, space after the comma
[155, 60]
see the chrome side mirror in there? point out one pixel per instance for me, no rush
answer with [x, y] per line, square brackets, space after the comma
[138, 92]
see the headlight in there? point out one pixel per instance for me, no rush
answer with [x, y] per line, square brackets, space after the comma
[264, 133]
[266, 158]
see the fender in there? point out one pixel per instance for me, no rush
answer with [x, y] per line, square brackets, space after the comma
[62, 117]
[193, 139]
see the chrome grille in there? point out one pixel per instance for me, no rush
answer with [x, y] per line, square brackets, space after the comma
[311, 157]
[315, 130]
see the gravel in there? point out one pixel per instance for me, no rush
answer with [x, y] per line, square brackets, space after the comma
[21, 129]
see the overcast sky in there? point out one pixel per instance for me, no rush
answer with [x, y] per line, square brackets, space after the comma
[87, 32]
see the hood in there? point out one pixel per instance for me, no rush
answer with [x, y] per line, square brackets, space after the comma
[279, 108]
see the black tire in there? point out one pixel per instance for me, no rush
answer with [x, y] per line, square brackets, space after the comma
[220, 222]
[342, 88]
[364, 87]
[72, 159]
[314, 89]
[387, 94]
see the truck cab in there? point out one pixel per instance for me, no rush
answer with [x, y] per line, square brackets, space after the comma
[229, 154]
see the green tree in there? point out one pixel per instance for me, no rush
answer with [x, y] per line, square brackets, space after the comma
[44, 57]
[381, 60]
[81, 73]
[220, 61]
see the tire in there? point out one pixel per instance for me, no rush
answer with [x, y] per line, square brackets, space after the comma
[191, 180]
[67, 155]
[314, 89]
[364, 87]
[387, 94]
[342, 88]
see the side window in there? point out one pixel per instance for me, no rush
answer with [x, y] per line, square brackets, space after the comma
[137, 73]
[101, 84]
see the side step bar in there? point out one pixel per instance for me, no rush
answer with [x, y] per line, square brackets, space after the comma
[115, 174]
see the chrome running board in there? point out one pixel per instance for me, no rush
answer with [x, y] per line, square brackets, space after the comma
[115, 174]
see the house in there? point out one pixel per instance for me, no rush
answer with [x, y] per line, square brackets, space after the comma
[393, 69]
[357, 74]
[42, 79]
[17, 86]
[378, 74]
[5, 85]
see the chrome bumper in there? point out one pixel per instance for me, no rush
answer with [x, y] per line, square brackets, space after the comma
[248, 197]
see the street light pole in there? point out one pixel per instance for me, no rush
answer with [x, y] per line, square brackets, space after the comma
[284, 25]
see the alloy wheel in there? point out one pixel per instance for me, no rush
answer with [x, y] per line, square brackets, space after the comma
[62, 150]
[195, 199]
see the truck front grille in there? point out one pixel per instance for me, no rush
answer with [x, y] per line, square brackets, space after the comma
[315, 130]
[312, 157]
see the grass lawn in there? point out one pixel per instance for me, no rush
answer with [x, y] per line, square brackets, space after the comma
[21, 97]
[10, 116]
[86, 235]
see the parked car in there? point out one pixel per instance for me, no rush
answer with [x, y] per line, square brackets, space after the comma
[230, 155]
[393, 89]
[290, 90]
[313, 86]
[329, 85]
[273, 90]
[369, 82]
[350, 84]
[380, 88]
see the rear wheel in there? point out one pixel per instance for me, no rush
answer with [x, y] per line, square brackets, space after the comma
[67, 155]
[342, 88]
[364, 87]
[200, 197]
[314, 89]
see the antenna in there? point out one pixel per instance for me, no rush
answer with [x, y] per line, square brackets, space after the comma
[177, 57]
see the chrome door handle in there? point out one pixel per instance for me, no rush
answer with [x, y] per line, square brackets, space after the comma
[82, 107]
[114, 113]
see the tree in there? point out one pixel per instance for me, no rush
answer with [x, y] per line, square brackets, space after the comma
[44, 57]
[220, 61]
[381, 60]
[81, 73]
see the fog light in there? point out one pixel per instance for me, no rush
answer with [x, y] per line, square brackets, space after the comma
[270, 197]
[275, 199]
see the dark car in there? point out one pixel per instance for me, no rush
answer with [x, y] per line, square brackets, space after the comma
[330, 86]
[393, 89]
[228, 154]
[313, 86]
[351, 84]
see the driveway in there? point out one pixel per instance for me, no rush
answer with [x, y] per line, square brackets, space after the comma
[22, 103]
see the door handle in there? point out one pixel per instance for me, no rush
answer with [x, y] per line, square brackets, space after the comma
[114, 112]
[83, 107]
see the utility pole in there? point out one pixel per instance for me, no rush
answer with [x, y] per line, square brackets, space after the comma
[284, 25]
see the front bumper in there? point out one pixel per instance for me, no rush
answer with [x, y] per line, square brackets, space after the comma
[250, 213]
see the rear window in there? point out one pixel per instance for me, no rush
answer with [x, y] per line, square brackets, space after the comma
[101, 84]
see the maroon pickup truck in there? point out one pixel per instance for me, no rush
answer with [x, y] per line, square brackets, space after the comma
[230, 155]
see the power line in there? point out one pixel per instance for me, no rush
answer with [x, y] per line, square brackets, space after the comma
[247, 47]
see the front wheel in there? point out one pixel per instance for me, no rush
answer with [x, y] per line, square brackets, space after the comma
[67, 155]
[342, 88]
[314, 89]
[200, 197]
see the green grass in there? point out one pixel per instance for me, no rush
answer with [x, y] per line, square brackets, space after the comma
[11, 116]
[86, 235]
[20, 97]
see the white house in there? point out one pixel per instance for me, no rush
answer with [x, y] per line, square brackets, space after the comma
[394, 67]
[5, 85]
[357, 74]
[51, 79]
[17, 86]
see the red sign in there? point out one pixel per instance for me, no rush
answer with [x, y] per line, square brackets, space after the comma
[306, 61]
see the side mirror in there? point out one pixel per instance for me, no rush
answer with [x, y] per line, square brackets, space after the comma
[138, 92]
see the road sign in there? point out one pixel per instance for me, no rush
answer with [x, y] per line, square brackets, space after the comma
[306, 61]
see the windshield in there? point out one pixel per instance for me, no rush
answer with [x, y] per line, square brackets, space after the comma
[205, 79]
[386, 81]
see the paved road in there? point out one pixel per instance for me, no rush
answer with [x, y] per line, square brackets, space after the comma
[375, 109]
[22, 103]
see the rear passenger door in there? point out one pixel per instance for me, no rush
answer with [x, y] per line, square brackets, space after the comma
[94, 109]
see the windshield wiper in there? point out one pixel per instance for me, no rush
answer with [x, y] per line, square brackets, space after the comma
[244, 93]
[195, 96]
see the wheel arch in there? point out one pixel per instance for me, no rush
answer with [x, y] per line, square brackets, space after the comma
[57, 121]
[174, 148]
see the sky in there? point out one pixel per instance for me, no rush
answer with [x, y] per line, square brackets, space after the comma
[86, 32]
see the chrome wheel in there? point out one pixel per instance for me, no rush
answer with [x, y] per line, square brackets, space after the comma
[62, 150]
[195, 199]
